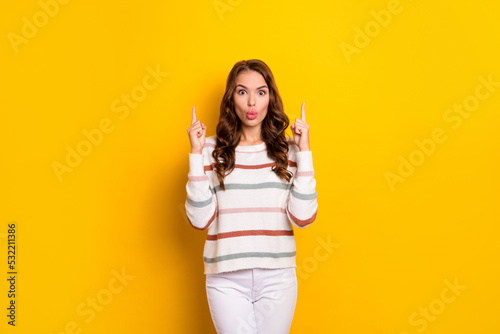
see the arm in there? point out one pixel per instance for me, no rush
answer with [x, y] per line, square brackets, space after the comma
[302, 204]
[201, 202]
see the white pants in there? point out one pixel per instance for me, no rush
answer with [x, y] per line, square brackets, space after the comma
[252, 301]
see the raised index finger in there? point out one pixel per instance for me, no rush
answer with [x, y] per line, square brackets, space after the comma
[303, 113]
[193, 120]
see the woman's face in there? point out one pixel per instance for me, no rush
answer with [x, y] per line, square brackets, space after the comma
[251, 99]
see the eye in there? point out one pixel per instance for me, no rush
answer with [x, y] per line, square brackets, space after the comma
[241, 90]
[263, 91]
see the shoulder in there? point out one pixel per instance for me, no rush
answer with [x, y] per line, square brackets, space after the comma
[210, 141]
[209, 146]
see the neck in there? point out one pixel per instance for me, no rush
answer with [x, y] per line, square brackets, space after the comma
[251, 136]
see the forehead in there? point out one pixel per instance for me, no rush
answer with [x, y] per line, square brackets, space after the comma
[250, 78]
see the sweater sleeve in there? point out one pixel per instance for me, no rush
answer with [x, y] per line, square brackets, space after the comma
[302, 204]
[201, 202]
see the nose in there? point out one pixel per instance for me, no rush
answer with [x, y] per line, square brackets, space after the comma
[251, 100]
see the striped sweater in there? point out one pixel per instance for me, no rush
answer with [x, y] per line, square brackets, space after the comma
[250, 223]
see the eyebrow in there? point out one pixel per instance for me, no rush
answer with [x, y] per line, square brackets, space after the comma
[257, 87]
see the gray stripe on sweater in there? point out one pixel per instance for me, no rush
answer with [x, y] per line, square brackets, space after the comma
[247, 254]
[199, 204]
[304, 196]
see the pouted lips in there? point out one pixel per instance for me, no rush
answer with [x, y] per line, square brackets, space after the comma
[252, 114]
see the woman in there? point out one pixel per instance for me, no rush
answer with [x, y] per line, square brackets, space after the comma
[248, 185]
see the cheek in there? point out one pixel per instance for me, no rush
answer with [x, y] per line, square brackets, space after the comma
[266, 101]
[238, 101]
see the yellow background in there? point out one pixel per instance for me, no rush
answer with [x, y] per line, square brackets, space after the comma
[122, 206]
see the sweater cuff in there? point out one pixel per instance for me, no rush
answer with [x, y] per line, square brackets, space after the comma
[196, 166]
[304, 161]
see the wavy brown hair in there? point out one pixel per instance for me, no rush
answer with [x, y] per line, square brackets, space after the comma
[273, 126]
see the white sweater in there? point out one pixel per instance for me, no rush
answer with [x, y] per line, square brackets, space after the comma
[250, 223]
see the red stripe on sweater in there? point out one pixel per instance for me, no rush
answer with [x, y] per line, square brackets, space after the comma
[302, 222]
[197, 178]
[248, 232]
[206, 226]
[290, 164]
[307, 173]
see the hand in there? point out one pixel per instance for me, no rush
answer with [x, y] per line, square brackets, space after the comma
[300, 131]
[196, 133]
